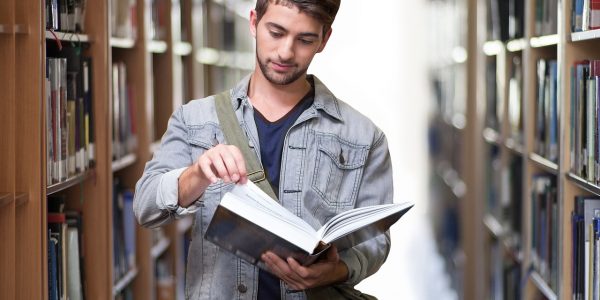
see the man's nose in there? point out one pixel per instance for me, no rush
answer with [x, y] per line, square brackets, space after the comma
[286, 50]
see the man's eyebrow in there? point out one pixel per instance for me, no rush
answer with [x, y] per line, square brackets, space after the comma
[281, 28]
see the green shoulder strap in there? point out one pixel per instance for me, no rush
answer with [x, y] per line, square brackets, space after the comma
[234, 136]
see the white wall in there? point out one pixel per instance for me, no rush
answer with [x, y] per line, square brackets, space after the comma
[376, 61]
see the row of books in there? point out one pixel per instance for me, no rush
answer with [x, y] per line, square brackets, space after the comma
[124, 224]
[123, 19]
[124, 135]
[544, 228]
[506, 19]
[65, 15]
[65, 252]
[505, 274]
[584, 124]
[69, 116]
[546, 17]
[585, 222]
[546, 110]
[515, 100]
[158, 30]
[585, 15]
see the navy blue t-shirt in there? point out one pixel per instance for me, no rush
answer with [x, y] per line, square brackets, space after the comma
[271, 136]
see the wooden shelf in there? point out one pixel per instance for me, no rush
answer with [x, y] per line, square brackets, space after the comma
[516, 45]
[123, 162]
[21, 199]
[184, 224]
[68, 36]
[124, 43]
[544, 41]
[544, 163]
[5, 199]
[494, 226]
[57, 187]
[452, 180]
[157, 47]
[491, 136]
[125, 281]
[154, 147]
[583, 183]
[514, 147]
[182, 49]
[542, 286]
[492, 48]
[229, 59]
[160, 248]
[585, 35]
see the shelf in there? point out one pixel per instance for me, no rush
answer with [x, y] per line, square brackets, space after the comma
[544, 163]
[585, 35]
[157, 47]
[184, 224]
[125, 281]
[583, 183]
[452, 180]
[230, 59]
[21, 199]
[492, 48]
[494, 226]
[5, 199]
[154, 147]
[544, 41]
[491, 136]
[160, 248]
[542, 286]
[516, 45]
[57, 187]
[513, 146]
[123, 162]
[124, 43]
[68, 36]
[182, 48]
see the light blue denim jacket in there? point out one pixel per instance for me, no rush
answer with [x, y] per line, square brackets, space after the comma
[334, 159]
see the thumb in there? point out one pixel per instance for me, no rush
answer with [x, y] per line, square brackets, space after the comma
[332, 254]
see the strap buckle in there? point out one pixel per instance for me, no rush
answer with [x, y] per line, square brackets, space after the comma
[257, 176]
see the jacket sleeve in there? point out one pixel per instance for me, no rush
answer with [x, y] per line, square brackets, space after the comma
[376, 188]
[156, 192]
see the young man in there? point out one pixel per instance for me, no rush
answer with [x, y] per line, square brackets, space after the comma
[320, 156]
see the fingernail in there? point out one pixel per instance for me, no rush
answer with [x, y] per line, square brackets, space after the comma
[235, 177]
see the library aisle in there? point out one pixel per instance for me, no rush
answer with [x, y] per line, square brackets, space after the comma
[397, 100]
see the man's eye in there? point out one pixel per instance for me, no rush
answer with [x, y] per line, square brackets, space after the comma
[306, 42]
[276, 34]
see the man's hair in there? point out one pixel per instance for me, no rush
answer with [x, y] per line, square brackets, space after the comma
[322, 10]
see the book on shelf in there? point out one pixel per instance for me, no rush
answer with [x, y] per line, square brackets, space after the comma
[123, 19]
[546, 110]
[247, 222]
[585, 222]
[544, 228]
[515, 115]
[124, 225]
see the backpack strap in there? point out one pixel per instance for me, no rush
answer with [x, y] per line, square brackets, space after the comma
[234, 136]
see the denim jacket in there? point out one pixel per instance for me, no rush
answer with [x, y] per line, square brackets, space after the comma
[334, 159]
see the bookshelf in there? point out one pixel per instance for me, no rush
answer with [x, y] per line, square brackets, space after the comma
[524, 56]
[133, 74]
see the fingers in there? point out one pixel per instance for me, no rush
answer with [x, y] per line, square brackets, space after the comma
[223, 162]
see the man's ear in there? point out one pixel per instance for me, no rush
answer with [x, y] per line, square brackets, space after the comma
[325, 40]
[253, 22]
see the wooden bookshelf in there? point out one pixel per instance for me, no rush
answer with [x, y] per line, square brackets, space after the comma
[502, 149]
[155, 72]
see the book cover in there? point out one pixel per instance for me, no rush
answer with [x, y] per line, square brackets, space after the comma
[248, 223]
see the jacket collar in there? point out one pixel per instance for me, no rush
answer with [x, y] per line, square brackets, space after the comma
[324, 98]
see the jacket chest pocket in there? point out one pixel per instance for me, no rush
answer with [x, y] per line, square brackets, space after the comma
[203, 137]
[338, 170]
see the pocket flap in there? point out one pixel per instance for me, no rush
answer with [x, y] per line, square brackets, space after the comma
[205, 136]
[344, 154]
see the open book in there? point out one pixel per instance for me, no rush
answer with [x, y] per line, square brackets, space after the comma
[248, 223]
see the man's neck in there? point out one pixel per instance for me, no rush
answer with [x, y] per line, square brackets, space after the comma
[272, 100]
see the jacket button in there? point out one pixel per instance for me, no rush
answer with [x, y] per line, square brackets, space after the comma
[242, 288]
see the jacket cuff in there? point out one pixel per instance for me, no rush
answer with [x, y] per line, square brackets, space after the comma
[167, 195]
[355, 270]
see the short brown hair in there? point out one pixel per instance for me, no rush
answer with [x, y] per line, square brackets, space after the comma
[322, 10]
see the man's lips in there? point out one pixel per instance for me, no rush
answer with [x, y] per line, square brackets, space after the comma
[281, 67]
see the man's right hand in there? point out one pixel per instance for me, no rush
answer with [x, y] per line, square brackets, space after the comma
[222, 162]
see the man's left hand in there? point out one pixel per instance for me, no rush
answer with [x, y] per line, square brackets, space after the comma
[329, 271]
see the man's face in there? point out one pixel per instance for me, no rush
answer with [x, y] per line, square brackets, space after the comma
[286, 42]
